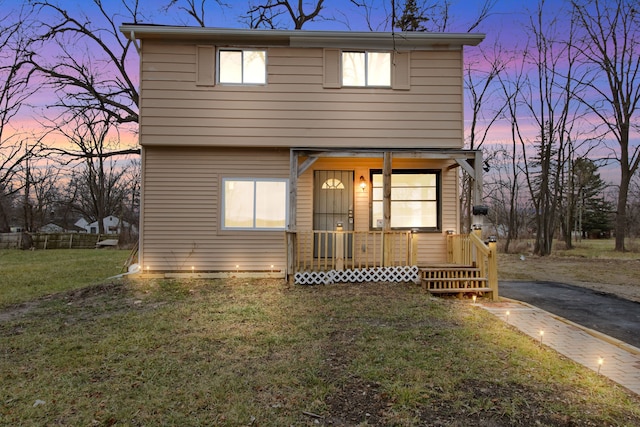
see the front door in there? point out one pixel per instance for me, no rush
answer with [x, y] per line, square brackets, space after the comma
[332, 206]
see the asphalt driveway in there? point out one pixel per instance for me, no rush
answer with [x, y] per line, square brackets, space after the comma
[605, 313]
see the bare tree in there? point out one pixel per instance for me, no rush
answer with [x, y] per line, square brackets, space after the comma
[435, 16]
[88, 62]
[195, 9]
[611, 45]
[541, 94]
[268, 14]
[15, 90]
[97, 178]
[508, 210]
[511, 182]
[633, 207]
[481, 76]
[40, 194]
[550, 100]
[371, 10]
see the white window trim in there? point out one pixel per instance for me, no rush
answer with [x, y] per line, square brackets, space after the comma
[242, 50]
[254, 180]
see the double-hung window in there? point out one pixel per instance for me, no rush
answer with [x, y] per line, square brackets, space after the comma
[366, 69]
[414, 199]
[244, 66]
[254, 204]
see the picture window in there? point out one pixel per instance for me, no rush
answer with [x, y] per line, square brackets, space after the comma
[251, 204]
[414, 199]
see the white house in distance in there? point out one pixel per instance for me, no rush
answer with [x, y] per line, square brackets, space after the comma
[112, 225]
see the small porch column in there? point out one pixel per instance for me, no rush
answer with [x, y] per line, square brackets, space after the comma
[293, 213]
[387, 167]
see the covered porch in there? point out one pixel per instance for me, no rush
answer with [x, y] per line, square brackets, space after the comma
[400, 220]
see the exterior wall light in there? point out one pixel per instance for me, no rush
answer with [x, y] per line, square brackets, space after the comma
[363, 183]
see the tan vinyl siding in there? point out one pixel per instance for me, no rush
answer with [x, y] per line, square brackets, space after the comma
[294, 109]
[181, 225]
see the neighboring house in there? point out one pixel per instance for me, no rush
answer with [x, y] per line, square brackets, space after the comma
[308, 152]
[112, 225]
[82, 225]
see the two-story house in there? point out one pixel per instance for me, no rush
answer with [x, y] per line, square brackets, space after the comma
[303, 154]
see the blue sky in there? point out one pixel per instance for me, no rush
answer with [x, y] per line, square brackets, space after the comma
[340, 14]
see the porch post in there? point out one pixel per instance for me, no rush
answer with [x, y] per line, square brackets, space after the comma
[293, 210]
[492, 273]
[386, 209]
[477, 186]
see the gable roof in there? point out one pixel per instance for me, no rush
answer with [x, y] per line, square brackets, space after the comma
[413, 40]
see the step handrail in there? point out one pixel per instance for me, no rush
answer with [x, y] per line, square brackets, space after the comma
[471, 249]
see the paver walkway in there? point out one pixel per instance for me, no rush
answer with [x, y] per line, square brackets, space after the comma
[620, 361]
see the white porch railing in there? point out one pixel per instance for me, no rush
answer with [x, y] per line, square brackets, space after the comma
[330, 250]
[331, 256]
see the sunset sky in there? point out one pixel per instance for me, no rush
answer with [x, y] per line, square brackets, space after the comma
[507, 25]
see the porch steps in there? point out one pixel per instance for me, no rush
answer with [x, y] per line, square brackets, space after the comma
[453, 279]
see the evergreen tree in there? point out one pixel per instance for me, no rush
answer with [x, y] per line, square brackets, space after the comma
[412, 19]
[593, 211]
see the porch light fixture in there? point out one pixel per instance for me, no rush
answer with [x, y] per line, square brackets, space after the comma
[363, 183]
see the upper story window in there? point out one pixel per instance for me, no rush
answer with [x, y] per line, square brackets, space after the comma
[366, 69]
[242, 66]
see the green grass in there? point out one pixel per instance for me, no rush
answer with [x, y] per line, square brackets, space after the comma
[27, 275]
[600, 248]
[261, 352]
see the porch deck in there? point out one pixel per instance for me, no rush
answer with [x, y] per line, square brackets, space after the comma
[335, 256]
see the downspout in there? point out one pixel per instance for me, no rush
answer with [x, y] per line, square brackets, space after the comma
[133, 269]
[132, 37]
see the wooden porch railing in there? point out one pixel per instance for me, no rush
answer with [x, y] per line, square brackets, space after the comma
[469, 249]
[319, 250]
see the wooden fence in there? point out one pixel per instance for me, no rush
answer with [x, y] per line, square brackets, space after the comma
[52, 240]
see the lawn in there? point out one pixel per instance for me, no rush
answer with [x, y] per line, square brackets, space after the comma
[262, 352]
[27, 275]
[592, 264]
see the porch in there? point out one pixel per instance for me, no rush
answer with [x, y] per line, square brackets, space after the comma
[320, 257]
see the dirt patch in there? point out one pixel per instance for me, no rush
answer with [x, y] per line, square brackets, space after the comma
[354, 400]
[92, 300]
[499, 398]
